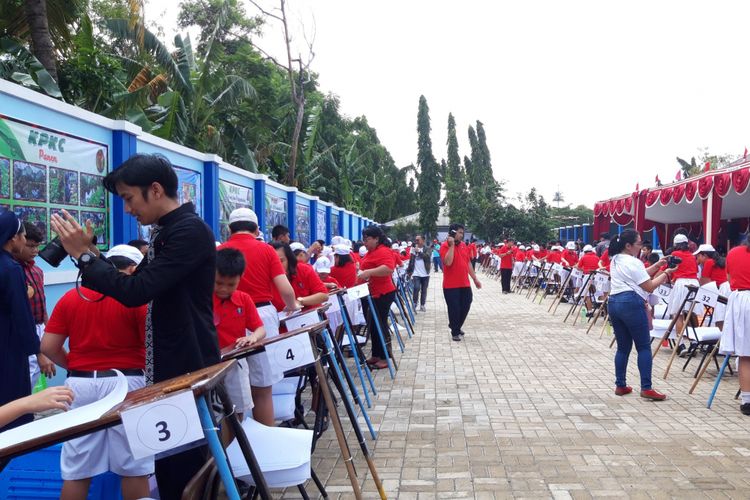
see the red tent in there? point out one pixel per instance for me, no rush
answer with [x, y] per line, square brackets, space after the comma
[712, 205]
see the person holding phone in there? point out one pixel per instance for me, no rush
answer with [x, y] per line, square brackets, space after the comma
[456, 258]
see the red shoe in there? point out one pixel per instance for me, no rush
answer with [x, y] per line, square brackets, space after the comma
[373, 360]
[653, 395]
[621, 391]
[381, 364]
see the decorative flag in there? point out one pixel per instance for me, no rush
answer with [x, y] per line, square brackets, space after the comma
[636, 187]
[707, 167]
[678, 177]
[657, 179]
[745, 155]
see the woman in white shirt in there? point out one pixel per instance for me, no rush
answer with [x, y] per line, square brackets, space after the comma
[631, 283]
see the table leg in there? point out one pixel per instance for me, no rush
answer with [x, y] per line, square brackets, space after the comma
[217, 450]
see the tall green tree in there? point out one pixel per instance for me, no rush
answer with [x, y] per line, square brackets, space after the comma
[428, 190]
[455, 178]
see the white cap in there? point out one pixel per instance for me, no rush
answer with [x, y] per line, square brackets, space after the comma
[362, 251]
[518, 243]
[323, 265]
[394, 246]
[704, 248]
[403, 244]
[126, 251]
[243, 215]
[341, 249]
[521, 247]
[326, 251]
[679, 238]
[556, 248]
[297, 246]
[571, 245]
[588, 248]
[348, 243]
[338, 240]
[535, 248]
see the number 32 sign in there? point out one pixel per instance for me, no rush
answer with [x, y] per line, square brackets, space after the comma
[162, 425]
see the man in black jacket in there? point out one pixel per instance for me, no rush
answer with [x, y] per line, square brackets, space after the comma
[419, 271]
[175, 279]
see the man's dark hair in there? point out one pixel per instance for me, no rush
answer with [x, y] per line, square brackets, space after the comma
[322, 243]
[456, 226]
[230, 262]
[142, 170]
[604, 236]
[279, 230]
[243, 225]
[33, 233]
[291, 260]
[121, 262]
[653, 258]
[138, 243]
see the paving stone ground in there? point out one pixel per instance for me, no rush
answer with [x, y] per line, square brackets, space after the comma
[524, 408]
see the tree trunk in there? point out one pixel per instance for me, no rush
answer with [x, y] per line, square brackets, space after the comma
[41, 42]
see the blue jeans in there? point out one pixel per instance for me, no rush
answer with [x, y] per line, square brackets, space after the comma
[437, 264]
[628, 315]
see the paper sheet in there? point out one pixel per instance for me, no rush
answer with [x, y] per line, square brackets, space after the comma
[82, 415]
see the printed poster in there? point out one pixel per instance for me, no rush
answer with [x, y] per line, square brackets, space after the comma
[43, 171]
[302, 221]
[231, 197]
[275, 213]
[334, 224]
[321, 225]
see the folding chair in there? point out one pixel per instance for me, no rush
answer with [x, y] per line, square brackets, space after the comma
[704, 336]
[586, 282]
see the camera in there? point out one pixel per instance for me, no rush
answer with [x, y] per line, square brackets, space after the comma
[54, 253]
[452, 233]
[673, 261]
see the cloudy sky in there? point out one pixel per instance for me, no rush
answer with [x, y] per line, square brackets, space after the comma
[590, 96]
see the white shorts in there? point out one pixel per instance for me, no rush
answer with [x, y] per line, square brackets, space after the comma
[105, 450]
[237, 384]
[517, 268]
[264, 372]
[679, 292]
[34, 370]
[720, 310]
[735, 337]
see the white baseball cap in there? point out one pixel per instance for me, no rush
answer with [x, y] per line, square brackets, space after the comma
[337, 240]
[297, 246]
[326, 251]
[571, 245]
[521, 247]
[362, 251]
[704, 248]
[323, 265]
[394, 246]
[341, 249]
[588, 248]
[243, 215]
[535, 248]
[680, 238]
[126, 251]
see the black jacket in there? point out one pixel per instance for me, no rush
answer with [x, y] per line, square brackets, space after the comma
[426, 257]
[180, 281]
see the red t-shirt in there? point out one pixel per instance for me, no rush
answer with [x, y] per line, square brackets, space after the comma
[506, 261]
[101, 335]
[588, 262]
[605, 259]
[554, 257]
[233, 316]
[381, 256]
[541, 253]
[738, 268]
[688, 268]
[456, 275]
[529, 254]
[714, 272]
[520, 256]
[571, 257]
[331, 280]
[346, 275]
[307, 282]
[262, 266]
[473, 250]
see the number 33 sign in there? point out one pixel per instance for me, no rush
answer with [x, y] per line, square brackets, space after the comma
[162, 425]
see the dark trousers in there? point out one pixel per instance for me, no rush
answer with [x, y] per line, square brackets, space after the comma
[437, 264]
[420, 286]
[505, 275]
[382, 308]
[173, 473]
[458, 301]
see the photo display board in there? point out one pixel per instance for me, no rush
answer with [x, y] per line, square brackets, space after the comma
[303, 224]
[334, 224]
[189, 189]
[275, 213]
[321, 224]
[43, 171]
[231, 197]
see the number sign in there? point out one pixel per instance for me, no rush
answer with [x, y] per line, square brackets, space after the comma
[358, 292]
[707, 297]
[291, 352]
[664, 291]
[302, 320]
[162, 425]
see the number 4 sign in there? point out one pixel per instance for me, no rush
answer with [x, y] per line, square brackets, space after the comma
[162, 425]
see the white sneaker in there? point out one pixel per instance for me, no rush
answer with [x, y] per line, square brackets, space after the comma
[423, 309]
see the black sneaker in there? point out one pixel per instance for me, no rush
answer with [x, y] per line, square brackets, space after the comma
[462, 333]
[456, 338]
[745, 408]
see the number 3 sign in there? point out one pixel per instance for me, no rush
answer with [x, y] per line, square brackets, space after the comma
[162, 425]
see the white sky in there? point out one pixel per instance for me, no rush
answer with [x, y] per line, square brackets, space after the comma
[593, 96]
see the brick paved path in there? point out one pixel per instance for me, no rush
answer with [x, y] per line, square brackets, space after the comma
[524, 408]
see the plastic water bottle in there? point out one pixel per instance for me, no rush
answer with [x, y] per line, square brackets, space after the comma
[41, 384]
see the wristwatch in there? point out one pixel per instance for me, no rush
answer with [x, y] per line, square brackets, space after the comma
[85, 259]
